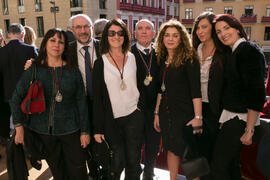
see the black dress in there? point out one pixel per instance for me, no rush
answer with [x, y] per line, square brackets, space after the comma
[176, 107]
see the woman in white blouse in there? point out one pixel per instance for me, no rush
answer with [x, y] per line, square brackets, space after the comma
[117, 115]
[211, 53]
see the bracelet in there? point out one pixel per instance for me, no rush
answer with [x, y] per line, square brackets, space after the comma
[249, 130]
[155, 113]
[198, 117]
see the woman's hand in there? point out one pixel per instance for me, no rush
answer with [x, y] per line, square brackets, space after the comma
[246, 138]
[28, 64]
[196, 125]
[156, 123]
[99, 137]
[85, 140]
[19, 137]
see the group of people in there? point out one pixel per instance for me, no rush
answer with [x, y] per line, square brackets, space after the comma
[203, 92]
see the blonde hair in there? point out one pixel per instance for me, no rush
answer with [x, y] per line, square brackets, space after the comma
[184, 51]
[30, 36]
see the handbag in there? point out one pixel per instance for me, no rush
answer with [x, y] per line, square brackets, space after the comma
[34, 101]
[99, 161]
[194, 167]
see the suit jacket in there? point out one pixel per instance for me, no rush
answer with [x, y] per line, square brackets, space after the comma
[73, 50]
[13, 58]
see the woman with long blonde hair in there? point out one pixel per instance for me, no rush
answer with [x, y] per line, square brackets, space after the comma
[179, 115]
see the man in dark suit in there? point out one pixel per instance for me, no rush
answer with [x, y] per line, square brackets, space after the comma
[148, 71]
[13, 57]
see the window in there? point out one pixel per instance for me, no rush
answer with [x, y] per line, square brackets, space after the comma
[152, 3]
[75, 3]
[73, 13]
[40, 26]
[268, 10]
[188, 13]
[189, 30]
[144, 2]
[21, 6]
[168, 10]
[175, 11]
[22, 21]
[248, 10]
[228, 10]
[248, 31]
[38, 6]
[124, 1]
[267, 33]
[7, 24]
[160, 4]
[102, 4]
[159, 24]
[5, 6]
[209, 9]
[103, 16]
[125, 21]
[135, 2]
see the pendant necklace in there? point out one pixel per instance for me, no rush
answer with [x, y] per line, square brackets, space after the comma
[123, 85]
[163, 87]
[58, 96]
[148, 79]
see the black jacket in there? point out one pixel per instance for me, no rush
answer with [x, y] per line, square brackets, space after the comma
[13, 58]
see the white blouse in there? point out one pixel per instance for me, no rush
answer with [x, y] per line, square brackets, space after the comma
[123, 102]
[205, 68]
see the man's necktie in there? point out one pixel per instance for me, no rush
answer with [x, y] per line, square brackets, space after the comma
[88, 72]
[147, 51]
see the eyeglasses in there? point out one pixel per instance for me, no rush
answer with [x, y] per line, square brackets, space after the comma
[78, 27]
[113, 33]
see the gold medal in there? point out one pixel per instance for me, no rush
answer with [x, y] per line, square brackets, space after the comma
[146, 81]
[150, 78]
[163, 87]
[58, 97]
[123, 85]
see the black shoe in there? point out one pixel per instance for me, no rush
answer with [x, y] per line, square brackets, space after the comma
[148, 176]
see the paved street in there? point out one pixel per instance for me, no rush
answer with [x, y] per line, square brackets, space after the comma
[45, 174]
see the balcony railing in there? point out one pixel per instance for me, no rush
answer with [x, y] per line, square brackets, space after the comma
[208, 0]
[168, 17]
[265, 19]
[187, 21]
[169, 0]
[188, 1]
[248, 18]
[176, 1]
[140, 8]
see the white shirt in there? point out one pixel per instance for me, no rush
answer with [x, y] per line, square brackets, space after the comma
[141, 48]
[123, 102]
[81, 60]
[227, 115]
[205, 68]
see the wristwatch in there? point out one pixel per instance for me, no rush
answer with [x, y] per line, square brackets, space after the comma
[198, 117]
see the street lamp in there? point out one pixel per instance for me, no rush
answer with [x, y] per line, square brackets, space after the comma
[53, 10]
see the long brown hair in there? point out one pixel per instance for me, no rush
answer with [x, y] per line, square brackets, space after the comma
[183, 52]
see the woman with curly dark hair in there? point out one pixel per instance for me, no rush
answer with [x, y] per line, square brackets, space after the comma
[180, 110]
[117, 104]
[63, 128]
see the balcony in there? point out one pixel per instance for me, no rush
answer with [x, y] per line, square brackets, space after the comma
[265, 19]
[136, 8]
[248, 18]
[188, 1]
[161, 11]
[146, 9]
[176, 1]
[208, 0]
[126, 6]
[176, 17]
[168, 17]
[187, 21]
[169, 0]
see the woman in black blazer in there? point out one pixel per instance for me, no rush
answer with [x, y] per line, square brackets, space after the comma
[243, 97]
[117, 115]
[211, 56]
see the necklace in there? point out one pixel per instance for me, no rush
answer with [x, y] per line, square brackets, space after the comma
[148, 79]
[208, 55]
[58, 96]
[123, 85]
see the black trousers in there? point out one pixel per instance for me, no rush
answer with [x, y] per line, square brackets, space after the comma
[127, 154]
[226, 155]
[151, 142]
[65, 156]
[207, 140]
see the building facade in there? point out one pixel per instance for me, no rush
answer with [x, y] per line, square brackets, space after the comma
[253, 14]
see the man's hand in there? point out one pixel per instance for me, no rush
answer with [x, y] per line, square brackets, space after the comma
[28, 64]
[99, 137]
[85, 140]
[19, 137]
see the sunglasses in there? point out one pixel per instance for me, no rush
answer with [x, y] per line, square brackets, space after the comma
[113, 33]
